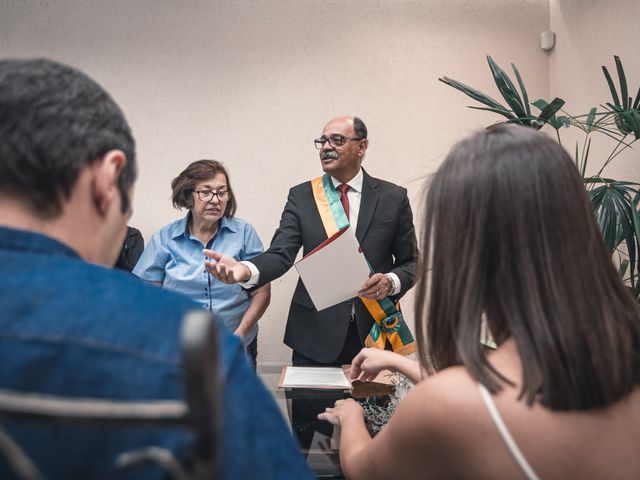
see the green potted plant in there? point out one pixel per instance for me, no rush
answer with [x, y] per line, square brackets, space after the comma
[615, 201]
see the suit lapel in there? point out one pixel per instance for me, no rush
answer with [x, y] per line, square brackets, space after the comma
[368, 203]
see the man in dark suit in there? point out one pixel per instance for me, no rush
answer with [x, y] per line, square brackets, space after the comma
[381, 215]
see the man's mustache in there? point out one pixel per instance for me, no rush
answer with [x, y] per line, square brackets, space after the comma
[329, 154]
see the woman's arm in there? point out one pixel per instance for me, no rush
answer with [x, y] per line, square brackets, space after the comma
[391, 454]
[421, 440]
[371, 361]
[354, 437]
[260, 299]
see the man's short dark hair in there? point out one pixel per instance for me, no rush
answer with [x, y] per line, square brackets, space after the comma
[54, 121]
[359, 128]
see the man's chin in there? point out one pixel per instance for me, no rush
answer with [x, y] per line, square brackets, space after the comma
[328, 167]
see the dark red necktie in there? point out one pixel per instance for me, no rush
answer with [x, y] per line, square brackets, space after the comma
[343, 197]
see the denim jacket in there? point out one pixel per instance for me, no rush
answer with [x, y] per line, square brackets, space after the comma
[72, 328]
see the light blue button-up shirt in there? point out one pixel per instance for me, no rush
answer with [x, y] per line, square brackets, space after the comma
[174, 258]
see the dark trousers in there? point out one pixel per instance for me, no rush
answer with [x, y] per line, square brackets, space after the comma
[252, 352]
[304, 411]
[350, 349]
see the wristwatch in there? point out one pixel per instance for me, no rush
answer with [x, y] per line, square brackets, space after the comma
[392, 282]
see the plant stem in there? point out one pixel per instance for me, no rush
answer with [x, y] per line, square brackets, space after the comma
[583, 158]
[615, 153]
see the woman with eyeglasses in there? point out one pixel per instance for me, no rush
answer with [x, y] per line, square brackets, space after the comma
[174, 259]
[510, 235]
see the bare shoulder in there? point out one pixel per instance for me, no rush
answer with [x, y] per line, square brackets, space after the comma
[433, 424]
[437, 397]
[443, 427]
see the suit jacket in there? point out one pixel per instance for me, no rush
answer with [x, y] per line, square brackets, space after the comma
[387, 236]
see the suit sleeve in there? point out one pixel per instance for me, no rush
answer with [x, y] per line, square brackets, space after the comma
[285, 244]
[405, 250]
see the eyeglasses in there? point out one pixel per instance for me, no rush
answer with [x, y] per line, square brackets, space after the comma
[334, 141]
[207, 195]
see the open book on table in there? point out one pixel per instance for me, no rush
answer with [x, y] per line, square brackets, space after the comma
[334, 378]
[324, 378]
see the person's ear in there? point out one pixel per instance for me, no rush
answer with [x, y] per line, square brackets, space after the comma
[188, 198]
[106, 172]
[362, 148]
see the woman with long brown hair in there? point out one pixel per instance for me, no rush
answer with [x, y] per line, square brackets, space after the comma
[510, 238]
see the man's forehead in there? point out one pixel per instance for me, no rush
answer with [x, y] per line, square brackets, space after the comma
[342, 126]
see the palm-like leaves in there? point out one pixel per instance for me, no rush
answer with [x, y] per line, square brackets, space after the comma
[624, 107]
[548, 110]
[518, 110]
[615, 202]
[616, 207]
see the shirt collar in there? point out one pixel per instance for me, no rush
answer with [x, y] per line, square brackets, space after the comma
[30, 241]
[227, 223]
[355, 183]
[181, 228]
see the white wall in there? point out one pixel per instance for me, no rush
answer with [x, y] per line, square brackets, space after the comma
[589, 33]
[252, 83]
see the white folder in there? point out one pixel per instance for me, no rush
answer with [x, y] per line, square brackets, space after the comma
[335, 270]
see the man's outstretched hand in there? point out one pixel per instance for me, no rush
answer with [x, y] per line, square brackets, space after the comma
[225, 268]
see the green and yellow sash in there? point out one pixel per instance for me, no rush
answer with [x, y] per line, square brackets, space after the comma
[389, 323]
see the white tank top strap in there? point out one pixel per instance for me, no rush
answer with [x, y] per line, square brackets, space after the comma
[516, 453]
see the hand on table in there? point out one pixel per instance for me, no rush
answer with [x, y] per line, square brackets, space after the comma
[340, 411]
[371, 361]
